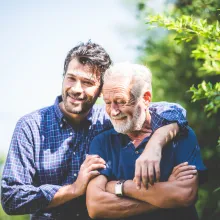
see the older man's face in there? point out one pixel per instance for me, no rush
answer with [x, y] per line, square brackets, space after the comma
[127, 114]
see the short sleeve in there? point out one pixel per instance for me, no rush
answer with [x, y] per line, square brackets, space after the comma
[98, 146]
[187, 150]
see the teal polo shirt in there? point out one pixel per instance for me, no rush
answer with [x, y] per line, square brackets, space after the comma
[120, 155]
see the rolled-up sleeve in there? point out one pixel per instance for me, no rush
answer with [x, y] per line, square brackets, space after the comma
[19, 194]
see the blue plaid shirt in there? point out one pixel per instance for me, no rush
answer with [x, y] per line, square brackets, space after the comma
[46, 153]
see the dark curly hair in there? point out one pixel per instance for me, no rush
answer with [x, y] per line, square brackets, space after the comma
[90, 54]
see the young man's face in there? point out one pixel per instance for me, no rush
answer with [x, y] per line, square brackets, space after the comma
[127, 114]
[81, 88]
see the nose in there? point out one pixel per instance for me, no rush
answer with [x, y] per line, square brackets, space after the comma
[114, 109]
[77, 87]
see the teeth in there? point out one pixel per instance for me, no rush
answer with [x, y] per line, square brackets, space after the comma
[80, 99]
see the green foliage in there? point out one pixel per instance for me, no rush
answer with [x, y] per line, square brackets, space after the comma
[184, 55]
[188, 28]
[209, 92]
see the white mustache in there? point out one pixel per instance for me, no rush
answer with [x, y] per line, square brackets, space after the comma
[120, 116]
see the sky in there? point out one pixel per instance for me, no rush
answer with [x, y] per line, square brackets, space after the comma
[35, 38]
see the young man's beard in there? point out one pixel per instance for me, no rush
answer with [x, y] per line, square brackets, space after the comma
[79, 108]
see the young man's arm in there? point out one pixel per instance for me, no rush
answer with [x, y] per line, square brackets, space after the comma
[88, 170]
[168, 119]
[19, 194]
[149, 161]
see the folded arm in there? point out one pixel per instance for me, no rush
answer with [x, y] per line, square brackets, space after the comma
[165, 194]
[176, 193]
[102, 204]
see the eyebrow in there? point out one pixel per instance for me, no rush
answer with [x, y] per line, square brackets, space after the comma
[84, 77]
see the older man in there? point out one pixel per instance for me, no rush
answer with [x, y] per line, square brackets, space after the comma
[127, 93]
[47, 170]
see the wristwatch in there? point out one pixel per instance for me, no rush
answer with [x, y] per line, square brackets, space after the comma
[119, 188]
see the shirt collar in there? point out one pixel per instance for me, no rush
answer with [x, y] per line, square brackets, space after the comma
[61, 116]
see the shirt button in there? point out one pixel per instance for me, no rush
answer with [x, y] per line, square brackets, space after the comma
[77, 214]
[74, 153]
[74, 174]
[137, 152]
[61, 125]
[71, 133]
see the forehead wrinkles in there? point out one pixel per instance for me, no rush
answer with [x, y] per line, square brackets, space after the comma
[116, 91]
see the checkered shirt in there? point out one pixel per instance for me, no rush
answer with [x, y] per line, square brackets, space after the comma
[46, 153]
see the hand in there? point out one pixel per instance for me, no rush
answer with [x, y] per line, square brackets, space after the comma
[182, 172]
[146, 165]
[88, 171]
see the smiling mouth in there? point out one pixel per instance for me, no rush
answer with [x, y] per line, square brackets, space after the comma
[119, 119]
[75, 99]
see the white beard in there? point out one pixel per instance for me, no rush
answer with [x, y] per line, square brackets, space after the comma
[127, 126]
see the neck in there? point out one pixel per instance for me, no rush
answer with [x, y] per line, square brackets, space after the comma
[73, 119]
[138, 136]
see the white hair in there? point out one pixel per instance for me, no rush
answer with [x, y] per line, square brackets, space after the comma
[139, 76]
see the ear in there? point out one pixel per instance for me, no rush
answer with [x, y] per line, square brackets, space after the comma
[147, 97]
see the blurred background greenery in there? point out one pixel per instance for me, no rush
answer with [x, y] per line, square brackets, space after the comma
[184, 57]
[168, 52]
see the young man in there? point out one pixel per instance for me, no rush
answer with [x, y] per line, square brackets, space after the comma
[127, 94]
[47, 171]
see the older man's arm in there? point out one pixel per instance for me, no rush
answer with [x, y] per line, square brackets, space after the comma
[102, 204]
[164, 194]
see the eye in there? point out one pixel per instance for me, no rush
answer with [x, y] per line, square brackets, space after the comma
[121, 102]
[88, 83]
[69, 78]
[107, 102]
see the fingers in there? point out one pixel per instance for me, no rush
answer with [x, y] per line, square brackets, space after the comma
[186, 177]
[93, 174]
[93, 167]
[157, 171]
[137, 177]
[183, 169]
[186, 173]
[178, 166]
[92, 159]
[151, 173]
[144, 175]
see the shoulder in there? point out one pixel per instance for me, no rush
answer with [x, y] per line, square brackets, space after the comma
[99, 117]
[160, 107]
[105, 135]
[189, 137]
[102, 141]
[36, 117]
